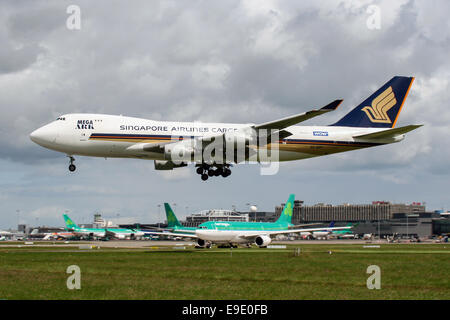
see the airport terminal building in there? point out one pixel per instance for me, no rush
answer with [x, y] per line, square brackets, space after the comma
[380, 217]
[194, 220]
[378, 210]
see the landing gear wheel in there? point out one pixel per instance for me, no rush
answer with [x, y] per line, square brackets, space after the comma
[204, 177]
[199, 170]
[226, 172]
[211, 172]
[72, 166]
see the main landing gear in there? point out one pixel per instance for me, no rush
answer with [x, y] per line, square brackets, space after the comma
[72, 167]
[206, 171]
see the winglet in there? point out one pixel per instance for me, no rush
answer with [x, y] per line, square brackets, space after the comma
[332, 105]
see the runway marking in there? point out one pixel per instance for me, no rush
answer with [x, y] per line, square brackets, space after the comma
[390, 251]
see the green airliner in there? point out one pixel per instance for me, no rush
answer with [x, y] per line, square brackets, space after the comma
[103, 233]
[235, 232]
[282, 223]
[346, 233]
[173, 224]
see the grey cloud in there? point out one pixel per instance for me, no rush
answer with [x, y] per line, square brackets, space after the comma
[223, 61]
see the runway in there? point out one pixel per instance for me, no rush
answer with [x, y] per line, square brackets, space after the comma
[149, 244]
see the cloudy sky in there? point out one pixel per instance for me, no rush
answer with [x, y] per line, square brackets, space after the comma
[218, 61]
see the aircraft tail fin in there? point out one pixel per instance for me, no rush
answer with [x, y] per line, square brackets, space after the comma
[382, 108]
[172, 221]
[286, 214]
[69, 223]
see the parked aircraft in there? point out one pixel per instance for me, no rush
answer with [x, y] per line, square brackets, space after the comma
[56, 235]
[234, 232]
[344, 234]
[102, 233]
[215, 147]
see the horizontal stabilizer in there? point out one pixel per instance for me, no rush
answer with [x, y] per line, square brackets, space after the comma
[386, 134]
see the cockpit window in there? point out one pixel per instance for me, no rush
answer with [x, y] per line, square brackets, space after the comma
[61, 118]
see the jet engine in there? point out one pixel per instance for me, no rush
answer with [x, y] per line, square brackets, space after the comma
[263, 241]
[168, 165]
[178, 152]
[201, 243]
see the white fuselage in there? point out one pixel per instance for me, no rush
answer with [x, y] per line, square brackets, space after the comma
[106, 136]
[228, 236]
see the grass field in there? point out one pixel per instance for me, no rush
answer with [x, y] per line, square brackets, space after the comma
[408, 271]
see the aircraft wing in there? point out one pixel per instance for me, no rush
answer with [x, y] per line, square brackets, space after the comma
[275, 233]
[290, 121]
[150, 147]
[173, 234]
[109, 233]
[305, 225]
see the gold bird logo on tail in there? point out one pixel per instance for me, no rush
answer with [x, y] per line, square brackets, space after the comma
[380, 106]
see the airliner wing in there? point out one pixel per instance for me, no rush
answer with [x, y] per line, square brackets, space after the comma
[290, 121]
[305, 225]
[275, 233]
[173, 234]
[150, 147]
[109, 233]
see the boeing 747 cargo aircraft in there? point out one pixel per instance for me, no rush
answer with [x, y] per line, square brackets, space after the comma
[215, 147]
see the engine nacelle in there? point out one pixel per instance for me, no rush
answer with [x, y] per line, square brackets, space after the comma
[167, 165]
[120, 236]
[263, 241]
[177, 152]
[201, 243]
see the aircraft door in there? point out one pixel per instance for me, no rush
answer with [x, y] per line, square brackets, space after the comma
[84, 136]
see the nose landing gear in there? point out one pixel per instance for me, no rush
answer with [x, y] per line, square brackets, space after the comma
[72, 167]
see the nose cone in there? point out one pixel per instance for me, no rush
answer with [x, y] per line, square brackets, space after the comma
[34, 136]
[43, 136]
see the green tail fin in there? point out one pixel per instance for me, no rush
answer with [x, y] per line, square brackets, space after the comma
[172, 221]
[69, 223]
[286, 214]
